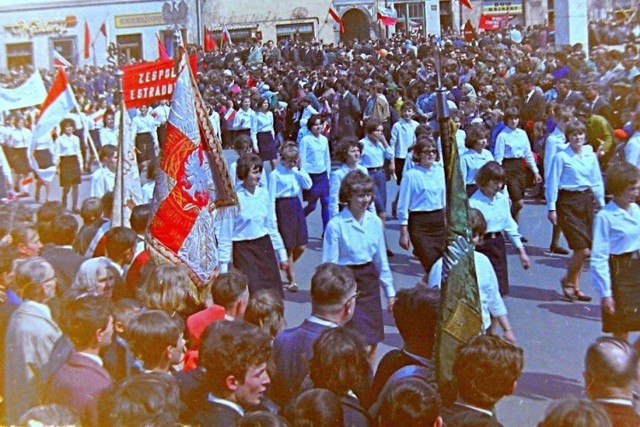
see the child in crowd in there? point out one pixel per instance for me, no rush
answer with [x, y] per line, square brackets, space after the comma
[104, 178]
[117, 357]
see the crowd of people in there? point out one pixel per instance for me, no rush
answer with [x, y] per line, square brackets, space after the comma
[97, 333]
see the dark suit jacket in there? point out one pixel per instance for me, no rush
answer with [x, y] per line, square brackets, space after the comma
[65, 263]
[621, 415]
[353, 414]
[573, 99]
[349, 115]
[461, 416]
[193, 388]
[534, 109]
[216, 415]
[78, 384]
[292, 348]
[391, 362]
[119, 361]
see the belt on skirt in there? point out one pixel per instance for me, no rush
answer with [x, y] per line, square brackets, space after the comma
[493, 235]
[375, 169]
[626, 256]
[359, 266]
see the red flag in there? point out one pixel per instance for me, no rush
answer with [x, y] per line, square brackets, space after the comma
[466, 3]
[388, 16]
[87, 41]
[193, 187]
[226, 35]
[193, 63]
[162, 50]
[103, 29]
[336, 18]
[493, 23]
[209, 41]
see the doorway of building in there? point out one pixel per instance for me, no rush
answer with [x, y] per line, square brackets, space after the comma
[356, 24]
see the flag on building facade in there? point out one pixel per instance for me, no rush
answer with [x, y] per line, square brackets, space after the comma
[459, 317]
[103, 30]
[127, 186]
[87, 41]
[209, 41]
[162, 50]
[337, 18]
[193, 188]
[387, 16]
[59, 60]
[226, 35]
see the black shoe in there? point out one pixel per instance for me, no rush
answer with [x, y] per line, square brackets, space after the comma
[558, 250]
[390, 254]
[524, 239]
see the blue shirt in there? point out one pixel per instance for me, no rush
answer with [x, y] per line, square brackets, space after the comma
[261, 122]
[285, 182]
[470, 163]
[497, 213]
[334, 187]
[514, 144]
[421, 190]
[374, 153]
[314, 154]
[403, 135]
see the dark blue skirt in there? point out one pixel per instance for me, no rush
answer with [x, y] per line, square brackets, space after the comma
[367, 317]
[292, 224]
[494, 248]
[319, 188]
[257, 260]
[267, 146]
[379, 189]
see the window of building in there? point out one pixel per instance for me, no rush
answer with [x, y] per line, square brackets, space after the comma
[411, 13]
[300, 31]
[67, 48]
[238, 34]
[167, 38]
[130, 45]
[19, 54]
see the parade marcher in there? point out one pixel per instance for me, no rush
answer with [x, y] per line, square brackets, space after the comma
[262, 133]
[494, 205]
[355, 238]
[43, 156]
[103, 179]
[20, 141]
[575, 184]
[615, 255]
[161, 116]
[285, 187]
[475, 157]
[421, 205]
[68, 156]
[403, 136]
[243, 118]
[143, 129]
[347, 152]
[109, 131]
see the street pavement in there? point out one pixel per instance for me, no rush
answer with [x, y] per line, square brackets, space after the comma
[554, 333]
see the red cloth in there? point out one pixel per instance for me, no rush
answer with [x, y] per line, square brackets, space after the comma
[196, 324]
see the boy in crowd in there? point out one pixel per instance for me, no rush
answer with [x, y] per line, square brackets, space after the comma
[104, 178]
[118, 358]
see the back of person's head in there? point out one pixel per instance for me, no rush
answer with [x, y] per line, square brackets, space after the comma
[44, 219]
[331, 286]
[339, 362]
[242, 144]
[63, 230]
[152, 170]
[416, 314]
[261, 419]
[107, 152]
[610, 363]
[50, 414]
[575, 413]
[227, 288]
[230, 349]
[120, 240]
[91, 210]
[150, 334]
[409, 402]
[266, 310]
[142, 399]
[28, 278]
[123, 311]
[486, 369]
[87, 322]
[140, 218]
[478, 222]
[167, 287]
[107, 204]
[317, 407]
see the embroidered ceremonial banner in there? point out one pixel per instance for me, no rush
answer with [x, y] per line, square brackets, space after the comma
[193, 188]
[144, 84]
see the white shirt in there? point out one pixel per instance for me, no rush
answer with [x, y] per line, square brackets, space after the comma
[285, 182]
[555, 142]
[233, 170]
[334, 187]
[214, 119]
[348, 242]
[314, 154]
[20, 138]
[491, 302]
[421, 190]
[514, 144]
[45, 142]
[256, 218]
[67, 146]
[497, 213]
[615, 232]
[573, 172]
[402, 137]
[470, 163]
[161, 113]
[143, 124]
[109, 136]
[243, 118]
[632, 149]
[102, 181]
[147, 191]
[374, 153]
[261, 122]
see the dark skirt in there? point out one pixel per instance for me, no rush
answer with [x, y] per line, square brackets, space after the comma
[69, 171]
[625, 285]
[144, 146]
[427, 234]
[3, 185]
[575, 211]
[319, 187]
[44, 159]
[379, 189]
[257, 260]
[161, 131]
[516, 178]
[8, 153]
[292, 224]
[21, 161]
[399, 163]
[267, 146]
[367, 316]
[493, 246]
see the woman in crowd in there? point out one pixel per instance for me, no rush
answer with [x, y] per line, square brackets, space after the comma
[243, 118]
[347, 152]
[96, 276]
[355, 238]
[615, 256]
[253, 235]
[494, 205]
[43, 156]
[316, 161]
[421, 205]
[262, 133]
[285, 187]
[574, 186]
[168, 287]
[20, 142]
[68, 155]
[475, 157]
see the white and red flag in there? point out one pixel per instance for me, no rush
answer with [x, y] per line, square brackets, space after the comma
[127, 190]
[226, 36]
[388, 16]
[193, 188]
[337, 18]
[59, 60]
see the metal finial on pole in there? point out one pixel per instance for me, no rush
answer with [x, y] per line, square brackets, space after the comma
[442, 110]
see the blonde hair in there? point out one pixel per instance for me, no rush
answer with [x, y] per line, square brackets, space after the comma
[168, 287]
[266, 310]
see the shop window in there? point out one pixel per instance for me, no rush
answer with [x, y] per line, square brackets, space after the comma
[303, 31]
[130, 45]
[67, 48]
[19, 54]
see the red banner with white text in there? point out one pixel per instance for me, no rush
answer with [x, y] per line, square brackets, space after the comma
[493, 23]
[150, 82]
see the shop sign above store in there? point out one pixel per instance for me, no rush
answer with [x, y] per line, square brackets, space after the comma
[37, 27]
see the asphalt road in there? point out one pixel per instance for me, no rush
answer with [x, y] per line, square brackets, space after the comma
[553, 333]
